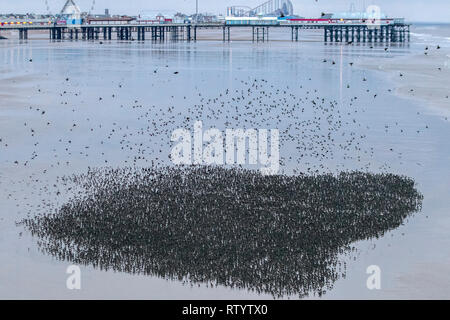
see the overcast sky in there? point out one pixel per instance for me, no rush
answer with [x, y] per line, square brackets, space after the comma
[413, 10]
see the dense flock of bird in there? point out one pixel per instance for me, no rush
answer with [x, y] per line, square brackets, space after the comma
[278, 235]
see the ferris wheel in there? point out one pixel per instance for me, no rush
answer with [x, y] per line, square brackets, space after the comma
[55, 7]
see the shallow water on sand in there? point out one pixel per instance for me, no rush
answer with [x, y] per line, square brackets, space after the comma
[67, 106]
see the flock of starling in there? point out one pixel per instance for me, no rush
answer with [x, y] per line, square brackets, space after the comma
[278, 235]
[225, 226]
[317, 135]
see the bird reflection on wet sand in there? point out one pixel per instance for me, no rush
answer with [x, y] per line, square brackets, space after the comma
[280, 235]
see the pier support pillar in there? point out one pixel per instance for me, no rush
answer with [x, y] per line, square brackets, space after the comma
[393, 34]
[261, 34]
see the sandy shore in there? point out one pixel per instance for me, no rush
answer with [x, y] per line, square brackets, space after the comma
[5, 34]
[15, 90]
[425, 77]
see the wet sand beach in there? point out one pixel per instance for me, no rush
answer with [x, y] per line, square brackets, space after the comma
[75, 141]
[424, 77]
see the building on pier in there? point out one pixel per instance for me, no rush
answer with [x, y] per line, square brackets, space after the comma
[353, 15]
[160, 16]
[123, 20]
[70, 14]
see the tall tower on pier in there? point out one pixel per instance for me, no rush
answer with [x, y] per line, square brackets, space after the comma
[71, 10]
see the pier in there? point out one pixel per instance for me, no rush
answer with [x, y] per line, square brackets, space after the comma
[332, 32]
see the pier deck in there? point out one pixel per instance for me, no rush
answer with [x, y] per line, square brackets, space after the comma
[397, 32]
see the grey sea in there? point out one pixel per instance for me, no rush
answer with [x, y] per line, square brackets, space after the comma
[70, 107]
